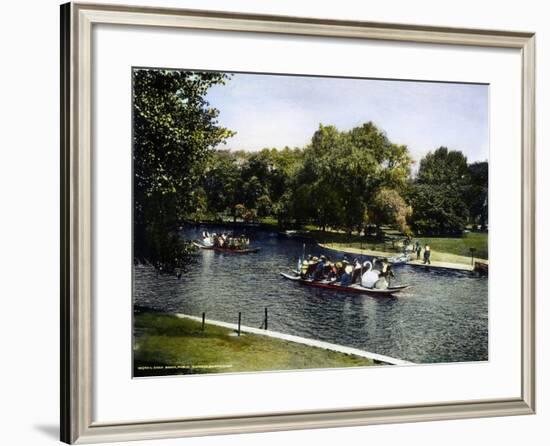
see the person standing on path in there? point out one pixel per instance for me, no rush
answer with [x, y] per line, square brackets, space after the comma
[427, 253]
[418, 250]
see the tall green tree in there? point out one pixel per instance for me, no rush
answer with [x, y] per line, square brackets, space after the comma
[438, 210]
[438, 198]
[477, 193]
[444, 166]
[284, 169]
[175, 129]
[343, 171]
[222, 182]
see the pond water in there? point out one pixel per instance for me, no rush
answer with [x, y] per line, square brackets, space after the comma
[443, 317]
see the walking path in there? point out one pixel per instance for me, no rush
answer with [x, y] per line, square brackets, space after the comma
[441, 265]
[300, 340]
[418, 263]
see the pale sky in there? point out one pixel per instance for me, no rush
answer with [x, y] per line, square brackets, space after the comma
[277, 111]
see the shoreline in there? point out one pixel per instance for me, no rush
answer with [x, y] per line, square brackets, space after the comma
[179, 344]
[416, 263]
[300, 340]
[479, 265]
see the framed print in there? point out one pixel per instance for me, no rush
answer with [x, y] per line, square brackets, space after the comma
[276, 223]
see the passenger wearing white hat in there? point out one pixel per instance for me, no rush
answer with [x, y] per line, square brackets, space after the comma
[346, 277]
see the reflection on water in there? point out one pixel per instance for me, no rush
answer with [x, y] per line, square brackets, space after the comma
[441, 318]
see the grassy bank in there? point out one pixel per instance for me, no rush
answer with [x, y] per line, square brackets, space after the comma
[168, 345]
[444, 249]
[460, 245]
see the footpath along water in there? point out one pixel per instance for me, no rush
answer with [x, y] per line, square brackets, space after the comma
[299, 340]
[441, 318]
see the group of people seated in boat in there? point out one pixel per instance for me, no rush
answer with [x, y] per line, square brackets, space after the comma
[225, 240]
[375, 274]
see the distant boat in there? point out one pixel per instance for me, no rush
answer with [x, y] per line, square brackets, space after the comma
[399, 260]
[295, 233]
[226, 250]
[326, 284]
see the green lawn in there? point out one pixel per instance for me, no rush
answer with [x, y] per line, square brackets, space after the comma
[270, 221]
[460, 245]
[167, 345]
[444, 249]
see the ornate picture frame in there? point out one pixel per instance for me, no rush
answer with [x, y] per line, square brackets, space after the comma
[77, 389]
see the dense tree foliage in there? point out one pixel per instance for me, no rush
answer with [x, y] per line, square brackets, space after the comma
[347, 180]
[329, 183]
[251, 184]
[477, 194]
[343, 170]
[175, 130]
[448, 193]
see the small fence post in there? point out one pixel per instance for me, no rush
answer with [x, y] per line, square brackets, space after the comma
[203, 315]
[265, 324]
[239, 326]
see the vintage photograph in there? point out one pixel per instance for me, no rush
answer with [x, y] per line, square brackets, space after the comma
[286, 222]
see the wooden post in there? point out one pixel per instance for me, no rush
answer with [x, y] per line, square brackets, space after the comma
[203, 315]
[265, 318]
[239, 326]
